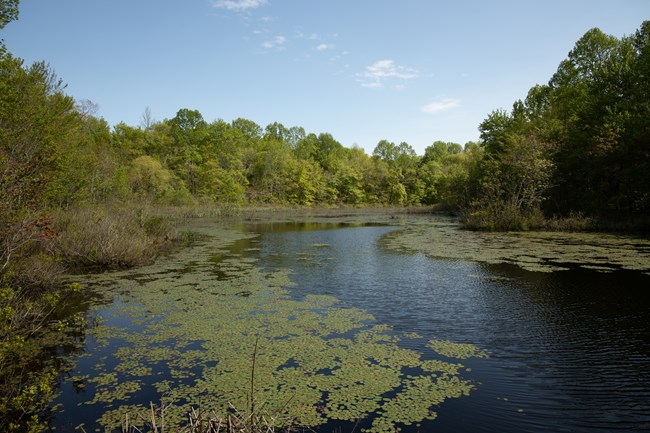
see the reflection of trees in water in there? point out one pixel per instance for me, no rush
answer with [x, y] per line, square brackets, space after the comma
[33, 363]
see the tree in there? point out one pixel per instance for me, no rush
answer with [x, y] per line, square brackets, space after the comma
[328, 151]
[494, 130]
[8, 12]
[251, 130]
[147, 119]
[454, 148]
[600, 98]
[190, 134]
[385, 150]
[307, 148]
[276, 131]
[436, 152]
[89, 168]
[579, 143]
[37, 119]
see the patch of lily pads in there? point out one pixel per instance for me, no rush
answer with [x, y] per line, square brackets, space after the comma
[198, 341]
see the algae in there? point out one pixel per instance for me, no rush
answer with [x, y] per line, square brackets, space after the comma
[191, 336]
[532, 251]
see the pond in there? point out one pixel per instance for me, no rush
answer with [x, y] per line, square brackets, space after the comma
[374, 322]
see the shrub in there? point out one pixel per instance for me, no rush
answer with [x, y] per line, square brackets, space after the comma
[110, 237]
[573, 222]
[502, 216]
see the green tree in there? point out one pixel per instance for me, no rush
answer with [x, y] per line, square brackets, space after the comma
[36, 121]
[328, 151]
[386, 151]
[512, 180]
[8, 12]
[599, 96]
[190, 134]
[89, 169]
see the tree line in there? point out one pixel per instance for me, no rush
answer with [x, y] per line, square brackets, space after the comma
[576, 148]
[186, 160]
[578, 144]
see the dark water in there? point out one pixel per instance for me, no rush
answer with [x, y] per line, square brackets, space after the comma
[570, 350]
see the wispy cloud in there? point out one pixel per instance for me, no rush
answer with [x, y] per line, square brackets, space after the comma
[323, 47]
[238, 5]
[379, 72]
[277, 41]
[339, 56]
[441, 105]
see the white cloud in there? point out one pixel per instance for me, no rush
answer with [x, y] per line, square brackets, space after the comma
[339, 57]
[441, 105]
[238, 5]
[379, 72]
[275, 42]
[323, 47]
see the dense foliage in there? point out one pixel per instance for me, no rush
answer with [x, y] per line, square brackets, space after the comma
[579, 144]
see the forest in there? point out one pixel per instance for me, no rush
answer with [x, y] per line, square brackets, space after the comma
[574, 153]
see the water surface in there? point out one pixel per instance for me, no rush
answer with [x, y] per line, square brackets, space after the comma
[569, 349]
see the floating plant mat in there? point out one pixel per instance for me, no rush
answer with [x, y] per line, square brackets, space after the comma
[185, 331]
[533, 251]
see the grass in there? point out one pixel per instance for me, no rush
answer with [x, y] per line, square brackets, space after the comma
[200, 421]
[109, 238]
[503, 217]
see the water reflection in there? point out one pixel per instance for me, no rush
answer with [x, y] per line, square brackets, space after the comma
[570, 349]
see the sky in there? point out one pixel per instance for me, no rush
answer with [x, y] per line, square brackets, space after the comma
[413, 71]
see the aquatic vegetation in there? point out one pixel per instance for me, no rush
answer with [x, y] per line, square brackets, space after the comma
[193, 337]
[456, 350]
[533, 251]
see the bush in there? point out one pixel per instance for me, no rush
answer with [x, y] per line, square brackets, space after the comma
[573, 222]
[500, 216]
[38, 271]
[110, 237]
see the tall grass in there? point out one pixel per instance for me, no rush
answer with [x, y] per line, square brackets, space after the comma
[202, 421]
[110, 237]
[500, 216]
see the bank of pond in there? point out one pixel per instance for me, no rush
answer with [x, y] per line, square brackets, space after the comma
[371, 322]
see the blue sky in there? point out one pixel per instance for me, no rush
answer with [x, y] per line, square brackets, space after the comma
[362, 70]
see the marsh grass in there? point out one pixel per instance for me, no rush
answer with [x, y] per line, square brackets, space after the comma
[575, 222]
[501, 216]
[504, 217]
[203, 421]
[106, 237]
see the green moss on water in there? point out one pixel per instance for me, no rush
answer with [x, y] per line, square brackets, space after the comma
[456, 350]
[314, 360]
[532, 251]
